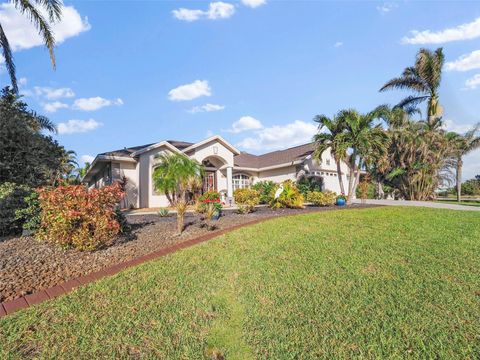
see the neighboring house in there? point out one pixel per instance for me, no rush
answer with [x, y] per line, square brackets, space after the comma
[226, 168]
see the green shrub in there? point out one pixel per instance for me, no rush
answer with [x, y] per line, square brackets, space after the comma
[30, 215]
[266, 189]
[246, 200]
[308, 184]
[207, 198]
[12, 198]
[163, 212]
[319, 198]
[290, 197]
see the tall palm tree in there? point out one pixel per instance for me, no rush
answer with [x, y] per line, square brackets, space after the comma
[463, 145]
[424, 79]
[30, 9]
[330, 140]
[367, 141]
[175, 176]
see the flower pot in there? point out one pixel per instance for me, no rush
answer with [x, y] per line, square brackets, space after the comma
[216, 215]
[340, 202]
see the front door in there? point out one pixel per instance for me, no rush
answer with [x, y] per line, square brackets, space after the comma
[209, 181]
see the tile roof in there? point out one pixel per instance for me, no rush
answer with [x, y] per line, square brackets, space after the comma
[278, 157]
[128, 151]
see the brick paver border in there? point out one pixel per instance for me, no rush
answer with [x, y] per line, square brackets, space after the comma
[9, 307]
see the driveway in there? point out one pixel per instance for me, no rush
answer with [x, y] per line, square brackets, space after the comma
[428, 204]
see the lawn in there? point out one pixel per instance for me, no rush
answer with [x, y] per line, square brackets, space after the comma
[370, 283]
[465, 202]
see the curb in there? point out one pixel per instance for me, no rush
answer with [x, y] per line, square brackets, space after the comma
[37, 297]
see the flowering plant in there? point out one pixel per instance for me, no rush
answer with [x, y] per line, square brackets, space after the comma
[216, 203]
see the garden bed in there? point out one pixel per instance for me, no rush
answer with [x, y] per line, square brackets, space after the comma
[27, 265]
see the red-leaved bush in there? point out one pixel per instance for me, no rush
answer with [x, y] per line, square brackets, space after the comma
[73, 216]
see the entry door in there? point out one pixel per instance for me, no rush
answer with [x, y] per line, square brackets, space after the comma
[209, 181]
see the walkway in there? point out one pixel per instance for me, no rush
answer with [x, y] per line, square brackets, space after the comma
[428, 204]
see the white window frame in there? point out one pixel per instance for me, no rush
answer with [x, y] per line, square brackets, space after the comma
[240, 181]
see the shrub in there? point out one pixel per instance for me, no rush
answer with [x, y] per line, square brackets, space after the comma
[163, 212]
[30, 215]
[266, 189]
[290, 197]
[12, 198]
[206, 198]
[73, 216]
[319, 198]
[246, 199]
[308, 184]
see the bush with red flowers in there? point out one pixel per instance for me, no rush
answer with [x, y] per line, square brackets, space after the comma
[74, 217]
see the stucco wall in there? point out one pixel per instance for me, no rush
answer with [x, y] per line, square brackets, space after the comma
[130, 171]
[278, 175]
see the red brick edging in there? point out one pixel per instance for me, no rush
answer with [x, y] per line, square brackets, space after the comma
[9, 307]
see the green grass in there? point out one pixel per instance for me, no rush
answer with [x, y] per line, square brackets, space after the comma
[466, 202]
[373, 283]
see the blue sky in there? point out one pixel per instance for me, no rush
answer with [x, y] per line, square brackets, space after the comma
[255, 71]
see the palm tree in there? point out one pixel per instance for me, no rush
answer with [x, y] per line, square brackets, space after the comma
[175, 176]
[367, 142]
[330, 140]
[424, 79]
[29, 8]
[463, 145]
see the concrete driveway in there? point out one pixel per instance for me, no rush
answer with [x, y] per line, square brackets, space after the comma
[428, 204]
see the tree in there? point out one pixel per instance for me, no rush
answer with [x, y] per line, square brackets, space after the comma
[331, 140]
[27, 156]
[367, 142]
[29, 8]
[424, 79]
[175, 176]
[463, 145]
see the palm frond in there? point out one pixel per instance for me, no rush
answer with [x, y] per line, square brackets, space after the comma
[8, 56]
[412, 101]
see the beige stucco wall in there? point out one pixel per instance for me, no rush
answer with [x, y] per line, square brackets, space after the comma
[278, 175]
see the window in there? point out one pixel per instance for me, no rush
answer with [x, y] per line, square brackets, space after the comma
[241, 181]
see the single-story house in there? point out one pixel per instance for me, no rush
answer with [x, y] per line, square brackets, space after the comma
[226, 168]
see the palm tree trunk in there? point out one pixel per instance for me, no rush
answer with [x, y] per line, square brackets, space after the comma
[340, 179]
[351, 181]
[180, 222]
[380, 192]
[459, 179]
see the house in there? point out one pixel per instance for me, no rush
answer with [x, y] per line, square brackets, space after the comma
[226, 168]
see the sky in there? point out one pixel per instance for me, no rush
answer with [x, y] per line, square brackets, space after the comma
[255, 72]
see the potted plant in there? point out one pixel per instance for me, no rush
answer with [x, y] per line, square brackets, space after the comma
[341, 200]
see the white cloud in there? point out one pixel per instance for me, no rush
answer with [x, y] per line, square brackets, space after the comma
[245, 123]
[54, 106]
[466, 31]
[22, 34]
[386, 7]
[206, 108]
[78, 126]
[454, 126]
[471, 165]
[94, 103]
[22, 81]
[51, 93]
[280, 136]
[190, 91]
[254, 3]
[338, 44]
[216, 10]
[465, 62]
[87, 158]
[473, 82]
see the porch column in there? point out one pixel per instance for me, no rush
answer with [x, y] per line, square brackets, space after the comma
[229, 182]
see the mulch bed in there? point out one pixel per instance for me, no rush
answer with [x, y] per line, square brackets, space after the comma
[27, 265]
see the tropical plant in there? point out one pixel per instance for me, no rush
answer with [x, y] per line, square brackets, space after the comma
[246, 200]
[29, 215]
[319, 198]
[309, 183]
[27, 156]
[423, 78]
[463, 145]
[12, 199]
[176, 175]
[163, 212]
[331, 139]
[266, 189]
[289, 197]
[73, 216]
[30, 8]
